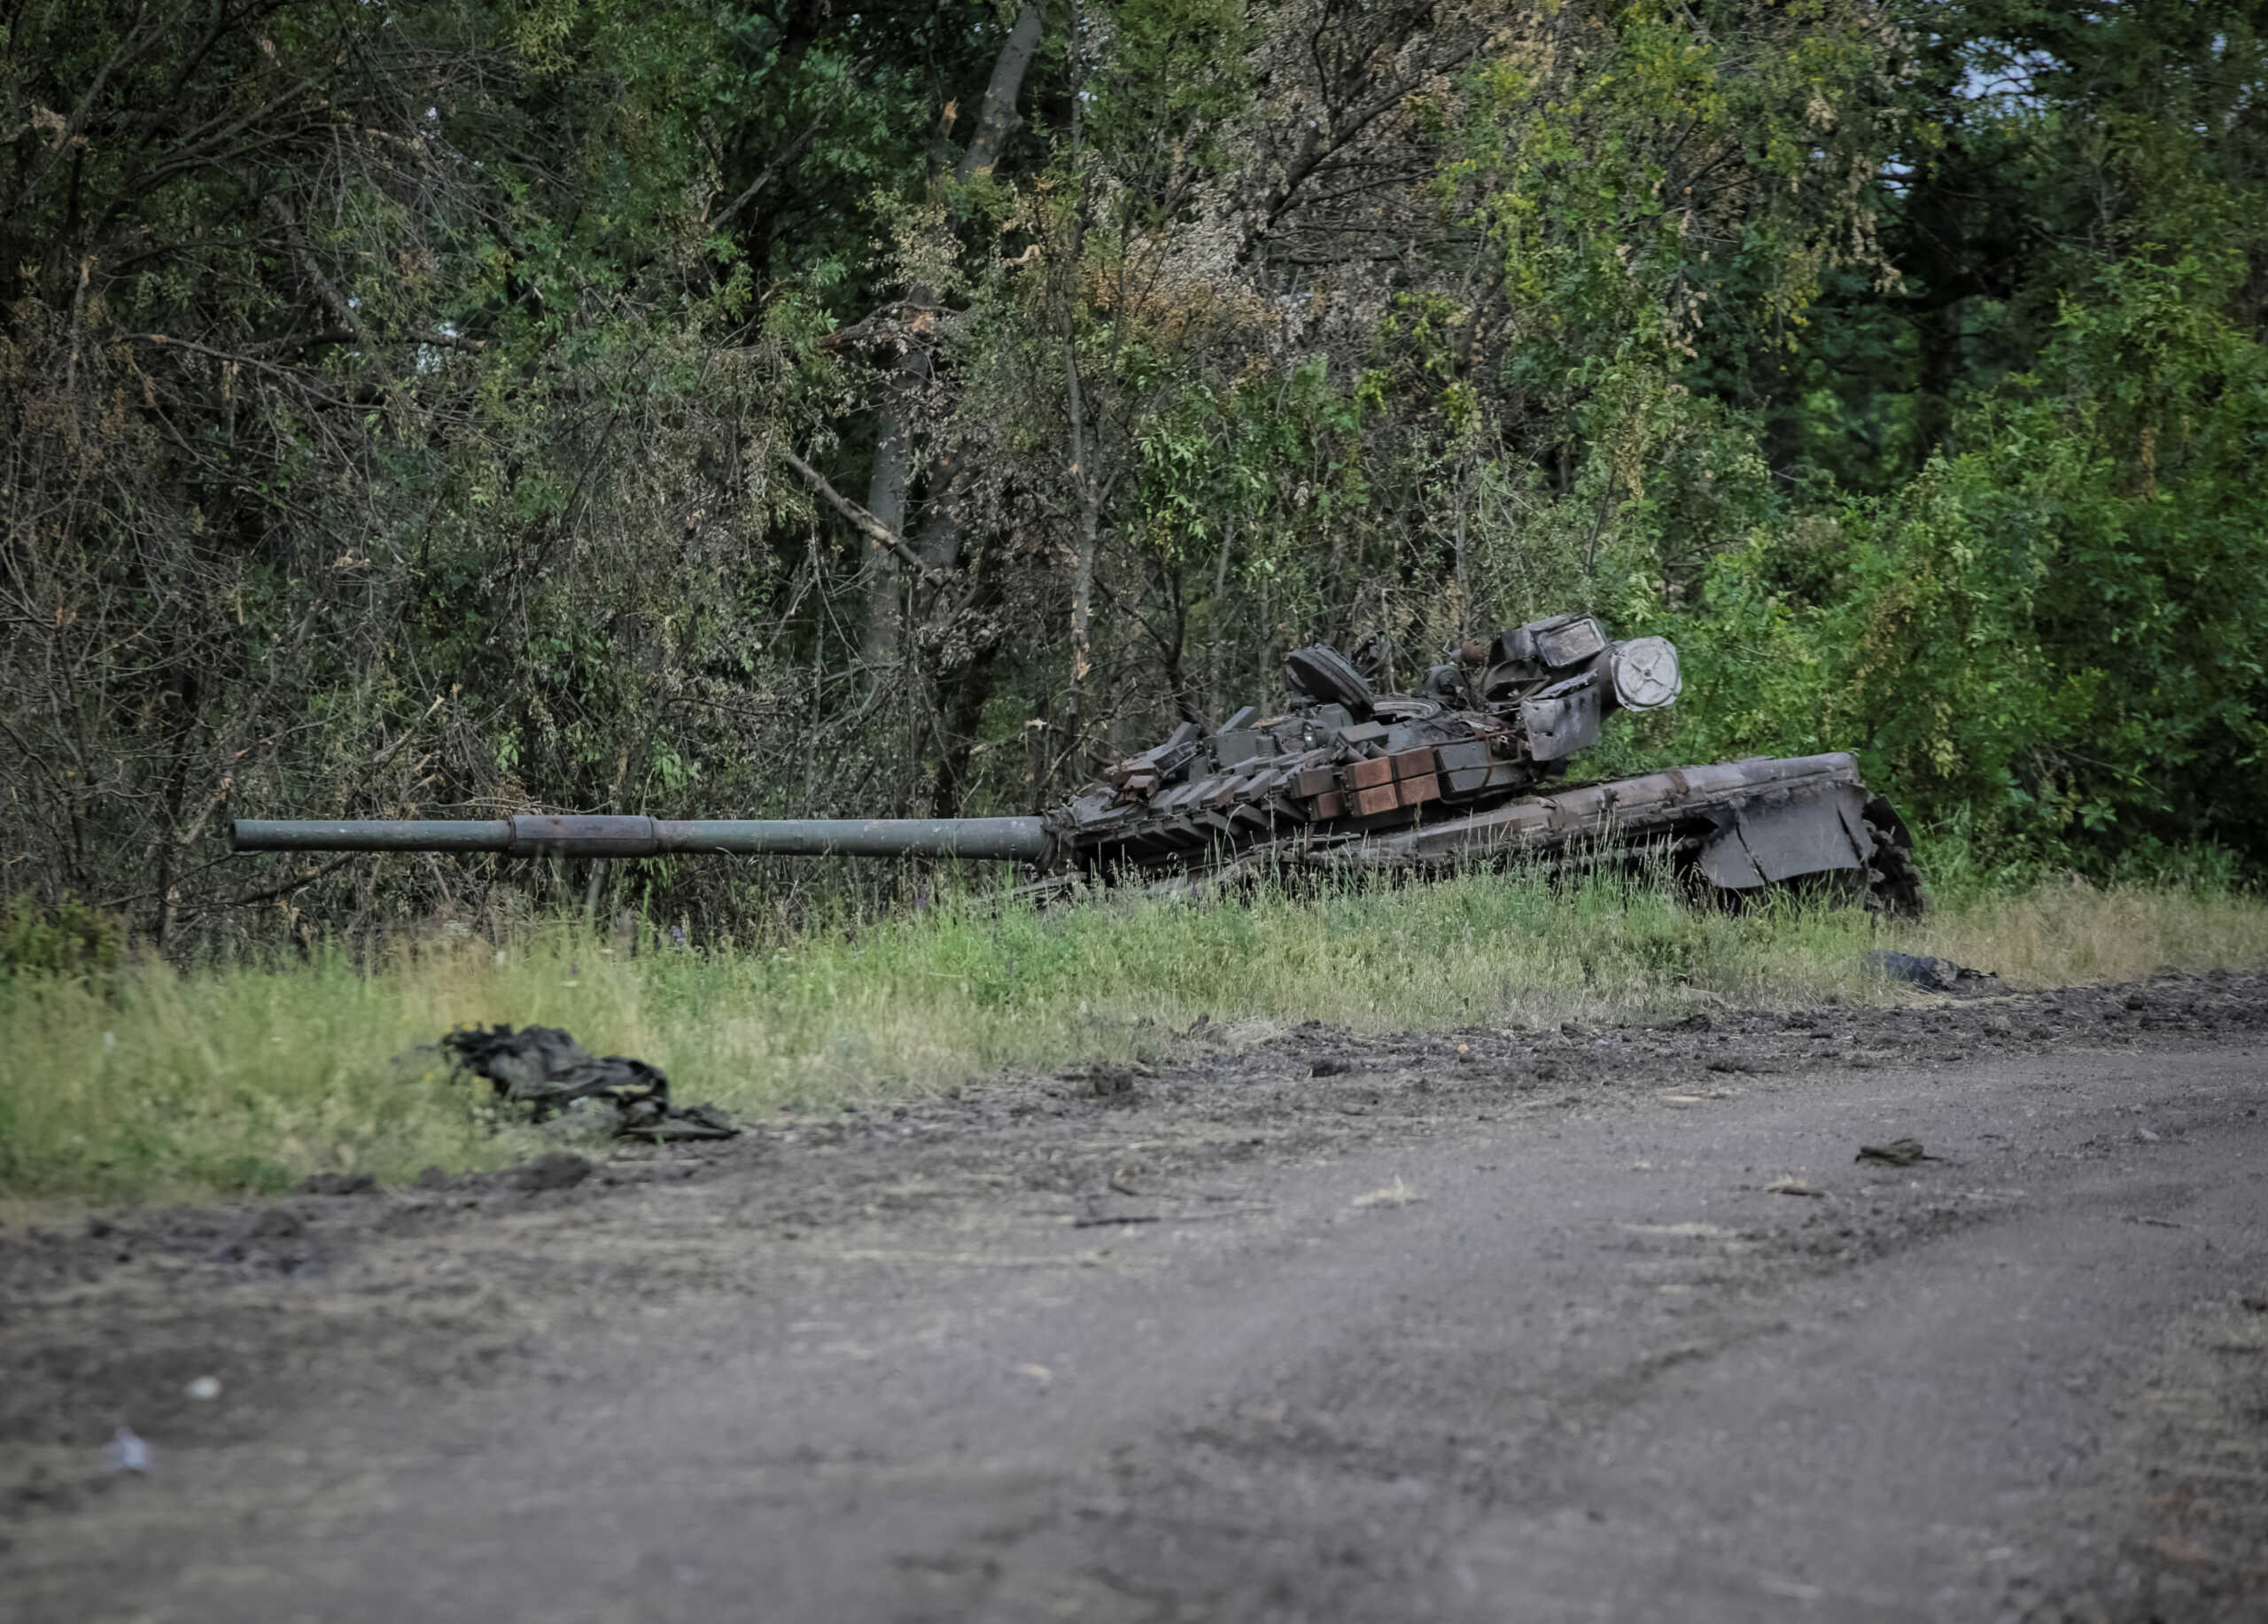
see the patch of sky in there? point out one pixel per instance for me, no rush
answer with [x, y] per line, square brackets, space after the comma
[2005, 79]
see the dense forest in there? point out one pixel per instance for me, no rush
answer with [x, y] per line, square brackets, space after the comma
[768, 408]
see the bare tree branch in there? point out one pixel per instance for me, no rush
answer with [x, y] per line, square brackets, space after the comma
[865, 523]
[771, 171]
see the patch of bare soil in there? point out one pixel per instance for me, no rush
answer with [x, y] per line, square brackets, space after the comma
[2181, 1509]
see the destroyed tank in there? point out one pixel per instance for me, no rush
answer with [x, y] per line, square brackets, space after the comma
[1470, 770]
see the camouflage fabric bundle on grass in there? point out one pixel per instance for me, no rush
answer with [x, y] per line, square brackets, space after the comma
[544, 1070]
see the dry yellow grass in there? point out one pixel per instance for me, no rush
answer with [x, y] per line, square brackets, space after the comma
[2068, 932]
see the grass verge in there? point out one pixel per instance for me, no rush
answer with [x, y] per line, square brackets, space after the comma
[158, 1084]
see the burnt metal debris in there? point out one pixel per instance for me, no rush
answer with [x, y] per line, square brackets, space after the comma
[1471, 769]
[544, 1069]
[1931, 975]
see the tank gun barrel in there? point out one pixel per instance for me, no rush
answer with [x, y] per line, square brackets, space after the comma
[588, 834]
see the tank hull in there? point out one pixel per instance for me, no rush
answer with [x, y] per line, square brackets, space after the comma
[1737, 826]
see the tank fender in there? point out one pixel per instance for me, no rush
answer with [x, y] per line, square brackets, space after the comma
[1780, 839]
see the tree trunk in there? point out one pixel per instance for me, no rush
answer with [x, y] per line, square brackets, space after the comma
[886, 501]
[940, 543]
[1220, 642]
[894, 455]
[1085, 477]
[183, 693]
[964, 713]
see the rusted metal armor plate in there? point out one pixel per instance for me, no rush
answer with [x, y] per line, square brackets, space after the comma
[1562, 720]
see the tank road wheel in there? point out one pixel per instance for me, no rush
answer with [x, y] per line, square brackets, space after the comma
[1893, 880]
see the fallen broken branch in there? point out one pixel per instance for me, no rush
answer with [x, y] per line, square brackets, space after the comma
[867, 524]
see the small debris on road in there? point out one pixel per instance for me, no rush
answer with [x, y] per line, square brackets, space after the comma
[276, 1224]
[1793, 1186]
[1114, 1082]
[205, 1389]
[340, 1183]
[2179, 1548]
[557, 1170]
[1395, 1194]
[1898, 1152]
[125, 1452]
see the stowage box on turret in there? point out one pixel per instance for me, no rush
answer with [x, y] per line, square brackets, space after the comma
[1470, 770]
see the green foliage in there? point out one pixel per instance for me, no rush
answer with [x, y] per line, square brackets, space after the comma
[394, 402]
[68, 939]
[2051, 634]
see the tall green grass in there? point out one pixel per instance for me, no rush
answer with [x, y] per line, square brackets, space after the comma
[158, 1083]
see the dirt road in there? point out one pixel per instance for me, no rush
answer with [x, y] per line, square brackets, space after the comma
[1483, 1325]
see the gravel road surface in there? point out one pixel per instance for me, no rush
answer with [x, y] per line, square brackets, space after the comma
[1498, 1325]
